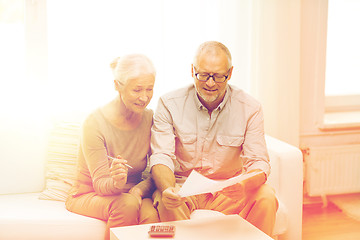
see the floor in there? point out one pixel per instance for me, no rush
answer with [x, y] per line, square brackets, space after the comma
[327, 223]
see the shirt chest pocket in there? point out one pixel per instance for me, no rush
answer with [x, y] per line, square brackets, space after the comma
[229, 141]
[228, 149]
[185, 148]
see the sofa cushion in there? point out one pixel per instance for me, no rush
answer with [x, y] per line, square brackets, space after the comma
[61, 159]
[24, 216]
[273, 179]
[23, 141]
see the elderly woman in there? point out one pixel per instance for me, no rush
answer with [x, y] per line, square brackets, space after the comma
[113, 152]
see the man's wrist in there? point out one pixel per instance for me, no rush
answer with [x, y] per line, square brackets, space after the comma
[256, 180]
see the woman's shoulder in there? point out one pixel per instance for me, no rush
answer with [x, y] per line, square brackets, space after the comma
[94, 118]
[148, 113]
[147, 120]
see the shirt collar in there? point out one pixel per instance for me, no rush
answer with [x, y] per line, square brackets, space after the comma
[200, 106]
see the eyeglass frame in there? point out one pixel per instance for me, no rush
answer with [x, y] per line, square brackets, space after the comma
[211, 75]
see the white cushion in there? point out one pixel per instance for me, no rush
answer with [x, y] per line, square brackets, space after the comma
[24, 216]
[61, 160]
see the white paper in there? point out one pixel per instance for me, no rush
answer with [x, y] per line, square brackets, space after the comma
[199, 184]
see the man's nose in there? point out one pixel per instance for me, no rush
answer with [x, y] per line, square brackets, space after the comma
[210, 82]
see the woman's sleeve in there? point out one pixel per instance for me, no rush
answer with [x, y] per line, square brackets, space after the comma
[95, 154]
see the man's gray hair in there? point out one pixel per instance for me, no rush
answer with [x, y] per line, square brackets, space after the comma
[212, 46]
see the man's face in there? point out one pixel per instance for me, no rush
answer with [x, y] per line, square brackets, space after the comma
[211, 93]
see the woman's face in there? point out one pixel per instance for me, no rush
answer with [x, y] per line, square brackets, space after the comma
[137, 92]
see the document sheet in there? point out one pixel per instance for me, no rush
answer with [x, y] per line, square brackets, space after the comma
[198, 184]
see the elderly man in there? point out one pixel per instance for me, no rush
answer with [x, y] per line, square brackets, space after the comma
[217, 130]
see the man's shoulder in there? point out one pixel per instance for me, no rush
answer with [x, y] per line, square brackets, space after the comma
[179, 93]
[241, 97]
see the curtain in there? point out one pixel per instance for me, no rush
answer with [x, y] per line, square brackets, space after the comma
[84, 36]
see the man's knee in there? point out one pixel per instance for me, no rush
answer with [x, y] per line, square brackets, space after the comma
[148, 213]
[265, 196]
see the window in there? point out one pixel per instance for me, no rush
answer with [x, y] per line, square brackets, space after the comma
[12, 43]
[343, 48]
[12, 57]
[342, 86]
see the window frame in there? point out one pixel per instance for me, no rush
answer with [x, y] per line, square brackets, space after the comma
[334, 113]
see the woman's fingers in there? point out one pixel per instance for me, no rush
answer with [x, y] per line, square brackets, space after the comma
[119, 177]
[118, 171]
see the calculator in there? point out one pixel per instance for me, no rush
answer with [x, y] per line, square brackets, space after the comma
[162, 231]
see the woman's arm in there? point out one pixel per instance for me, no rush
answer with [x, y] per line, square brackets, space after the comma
[95, 154]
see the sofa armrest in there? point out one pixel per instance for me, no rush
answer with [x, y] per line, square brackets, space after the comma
[287, 179]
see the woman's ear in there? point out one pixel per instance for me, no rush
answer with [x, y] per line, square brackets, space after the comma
[117, 85]
[192, 70]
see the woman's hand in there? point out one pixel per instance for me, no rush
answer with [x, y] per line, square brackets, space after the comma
[118, 172]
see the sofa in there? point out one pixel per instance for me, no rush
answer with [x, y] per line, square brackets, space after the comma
[38, 165]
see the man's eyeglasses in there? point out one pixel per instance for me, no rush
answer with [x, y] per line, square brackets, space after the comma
[219, 78]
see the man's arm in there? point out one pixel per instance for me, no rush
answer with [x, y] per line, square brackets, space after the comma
[254, 148]
[163, 156]
[165, 181]
[163, 177]
[255, 181]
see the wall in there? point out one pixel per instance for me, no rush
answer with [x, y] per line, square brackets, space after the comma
[276, 66]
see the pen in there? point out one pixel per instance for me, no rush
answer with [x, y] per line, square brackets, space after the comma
[112, 158]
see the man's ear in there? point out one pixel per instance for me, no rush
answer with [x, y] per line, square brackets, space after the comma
[230, 73]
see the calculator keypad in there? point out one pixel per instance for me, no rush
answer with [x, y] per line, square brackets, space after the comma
[162, 231]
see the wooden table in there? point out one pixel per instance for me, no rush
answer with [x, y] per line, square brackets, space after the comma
[231, 227]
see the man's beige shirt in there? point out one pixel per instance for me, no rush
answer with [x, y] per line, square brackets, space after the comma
[230, 141]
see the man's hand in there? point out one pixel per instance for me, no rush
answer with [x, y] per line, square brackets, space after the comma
[171, 199]
[238, 190]
[235, 192]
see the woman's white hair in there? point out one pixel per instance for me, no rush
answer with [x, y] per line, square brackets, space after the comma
[131, 66]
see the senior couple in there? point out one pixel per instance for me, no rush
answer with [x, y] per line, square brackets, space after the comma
[210, 126]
